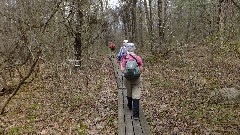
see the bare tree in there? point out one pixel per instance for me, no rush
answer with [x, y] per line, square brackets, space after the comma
[161, 20]
[78, 34]
[134, 20]
[21, 44]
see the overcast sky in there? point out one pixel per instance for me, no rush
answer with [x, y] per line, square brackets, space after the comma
[113, 2]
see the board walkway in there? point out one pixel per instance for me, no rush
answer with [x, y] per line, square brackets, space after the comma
[126, 124]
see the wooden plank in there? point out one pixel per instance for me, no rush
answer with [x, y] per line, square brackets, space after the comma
[143, 121]
[122, 85]
[137, 129]
[121, 123]
[119, 79]
[118, 76]
[121, 82]
[128, 116]
[116, 73]
[121, 115]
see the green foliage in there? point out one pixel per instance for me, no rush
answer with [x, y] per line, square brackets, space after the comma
[212, 39]
[235, 47]
[77, 98]
[163, 83]
[1, 130]
[15, 131]
[152, 59]
[111, 121]
[19, 130]
[81, 129]
[99, 85]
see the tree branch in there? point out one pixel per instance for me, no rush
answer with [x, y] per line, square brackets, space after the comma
[236, 4]
[19, 85]
[52, 15]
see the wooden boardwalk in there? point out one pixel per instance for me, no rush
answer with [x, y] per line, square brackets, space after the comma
[126, 124]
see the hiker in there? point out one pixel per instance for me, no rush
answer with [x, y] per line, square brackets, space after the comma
[122, 52]
[132, 78]
[112, 46]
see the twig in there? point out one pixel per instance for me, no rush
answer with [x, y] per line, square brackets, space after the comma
[52, 15]
[235, 4]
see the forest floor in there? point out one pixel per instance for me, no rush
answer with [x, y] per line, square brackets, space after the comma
[60, 102]
[175, 97]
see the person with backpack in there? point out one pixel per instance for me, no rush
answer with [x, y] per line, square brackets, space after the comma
[122, 52]
[132, 66]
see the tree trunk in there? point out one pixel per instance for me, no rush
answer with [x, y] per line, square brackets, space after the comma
[150, 25]
[164, 18]
[141, 24]
[134, 21]
[128, 9]
[221, 20]
[78, 35]
[125, 26]
[189, 25]
[126, 19]
[219, 12]
[160, 22]
[147, 17]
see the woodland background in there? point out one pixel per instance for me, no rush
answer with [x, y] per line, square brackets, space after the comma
[190, 50]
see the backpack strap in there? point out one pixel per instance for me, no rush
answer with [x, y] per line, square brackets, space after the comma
[134, 58]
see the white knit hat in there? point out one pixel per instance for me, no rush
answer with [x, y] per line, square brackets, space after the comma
[131, 47]
[125, 41]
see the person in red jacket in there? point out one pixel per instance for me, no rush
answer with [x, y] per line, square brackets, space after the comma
[112, 46]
